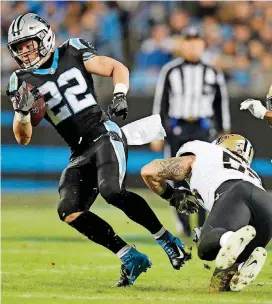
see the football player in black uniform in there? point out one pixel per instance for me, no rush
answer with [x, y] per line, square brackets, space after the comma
[99, 151]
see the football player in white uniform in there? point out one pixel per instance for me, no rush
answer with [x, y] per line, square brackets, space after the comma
[257, 109]
[239, 225]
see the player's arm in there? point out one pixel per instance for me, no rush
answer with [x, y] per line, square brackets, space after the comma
[268, 115]
[256, 108]
[108, 67]
[158, 171]
[22, 103]
[22, 128]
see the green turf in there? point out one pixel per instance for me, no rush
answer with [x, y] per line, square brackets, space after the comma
[45, 261]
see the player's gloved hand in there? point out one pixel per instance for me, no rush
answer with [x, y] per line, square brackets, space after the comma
[255, 107]
[184, 201]
[23, 102]
[118, 105]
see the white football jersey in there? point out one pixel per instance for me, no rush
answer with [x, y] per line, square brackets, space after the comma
[213, 166]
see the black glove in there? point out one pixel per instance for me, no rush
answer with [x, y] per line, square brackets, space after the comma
[118, 105]
[184, 201]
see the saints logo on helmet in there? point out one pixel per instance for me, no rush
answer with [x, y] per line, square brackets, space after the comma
[237, 144]
[29, 27]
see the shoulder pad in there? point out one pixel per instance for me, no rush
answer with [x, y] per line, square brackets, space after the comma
[191, 147]
[79, 43]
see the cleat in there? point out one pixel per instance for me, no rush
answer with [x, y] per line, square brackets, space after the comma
[249, 270]
[220, 280]
[235, 245]
[133, 264]
[174, 248]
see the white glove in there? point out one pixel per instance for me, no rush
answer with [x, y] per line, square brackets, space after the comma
[255, 107]
[23, 99]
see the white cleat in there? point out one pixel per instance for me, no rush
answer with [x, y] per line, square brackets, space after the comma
[250, 270]
[235, 245]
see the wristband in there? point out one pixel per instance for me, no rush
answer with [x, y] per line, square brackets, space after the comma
[168, 193]
[120, 88]
[23, 119]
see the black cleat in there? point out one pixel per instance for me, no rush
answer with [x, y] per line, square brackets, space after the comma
[124, 280]
[174, 249]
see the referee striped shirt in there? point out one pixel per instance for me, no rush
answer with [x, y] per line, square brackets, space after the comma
[188, 91]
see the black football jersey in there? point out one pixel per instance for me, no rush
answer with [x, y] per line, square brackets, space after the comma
[68, 90]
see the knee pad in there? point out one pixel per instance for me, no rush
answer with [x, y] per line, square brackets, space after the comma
[63, 209]
[209, 244]
[109, 189]
[66, 207]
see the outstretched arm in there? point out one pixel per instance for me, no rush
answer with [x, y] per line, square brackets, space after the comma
[158, 171]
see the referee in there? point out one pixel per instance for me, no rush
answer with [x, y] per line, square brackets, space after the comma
[192, 99]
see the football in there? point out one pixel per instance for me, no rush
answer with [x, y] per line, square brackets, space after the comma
[38, 110]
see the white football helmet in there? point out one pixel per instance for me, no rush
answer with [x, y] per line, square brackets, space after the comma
[30, 27]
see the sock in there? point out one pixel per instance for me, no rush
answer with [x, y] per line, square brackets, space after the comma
[159, 234]
[98, 231]
[137, 209]
[123, 251]
[225, 237]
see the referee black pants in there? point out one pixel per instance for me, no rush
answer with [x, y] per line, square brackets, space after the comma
[180, 135]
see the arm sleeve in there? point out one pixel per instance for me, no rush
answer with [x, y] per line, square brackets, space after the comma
[161, 99]
[82, 48]
[221, 104]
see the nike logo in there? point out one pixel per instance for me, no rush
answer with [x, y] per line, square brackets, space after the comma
[253, 262]
[181, 254]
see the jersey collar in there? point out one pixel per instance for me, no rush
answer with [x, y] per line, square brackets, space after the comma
[53, 67]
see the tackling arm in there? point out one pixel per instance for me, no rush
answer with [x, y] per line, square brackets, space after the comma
[158, 171]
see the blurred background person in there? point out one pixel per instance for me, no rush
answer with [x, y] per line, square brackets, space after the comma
[192, 99]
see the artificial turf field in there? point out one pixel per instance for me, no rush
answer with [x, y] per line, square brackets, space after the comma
[45, 261]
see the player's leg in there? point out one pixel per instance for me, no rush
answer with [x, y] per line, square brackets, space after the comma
[111, 163]
[75, 200]
[77, 193]
[254, 255]
[228, 232]
[229, 213]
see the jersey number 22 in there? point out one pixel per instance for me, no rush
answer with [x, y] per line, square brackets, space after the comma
[58, 110]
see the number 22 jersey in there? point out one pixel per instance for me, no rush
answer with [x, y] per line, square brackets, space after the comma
[68, 90]
[213, 166]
